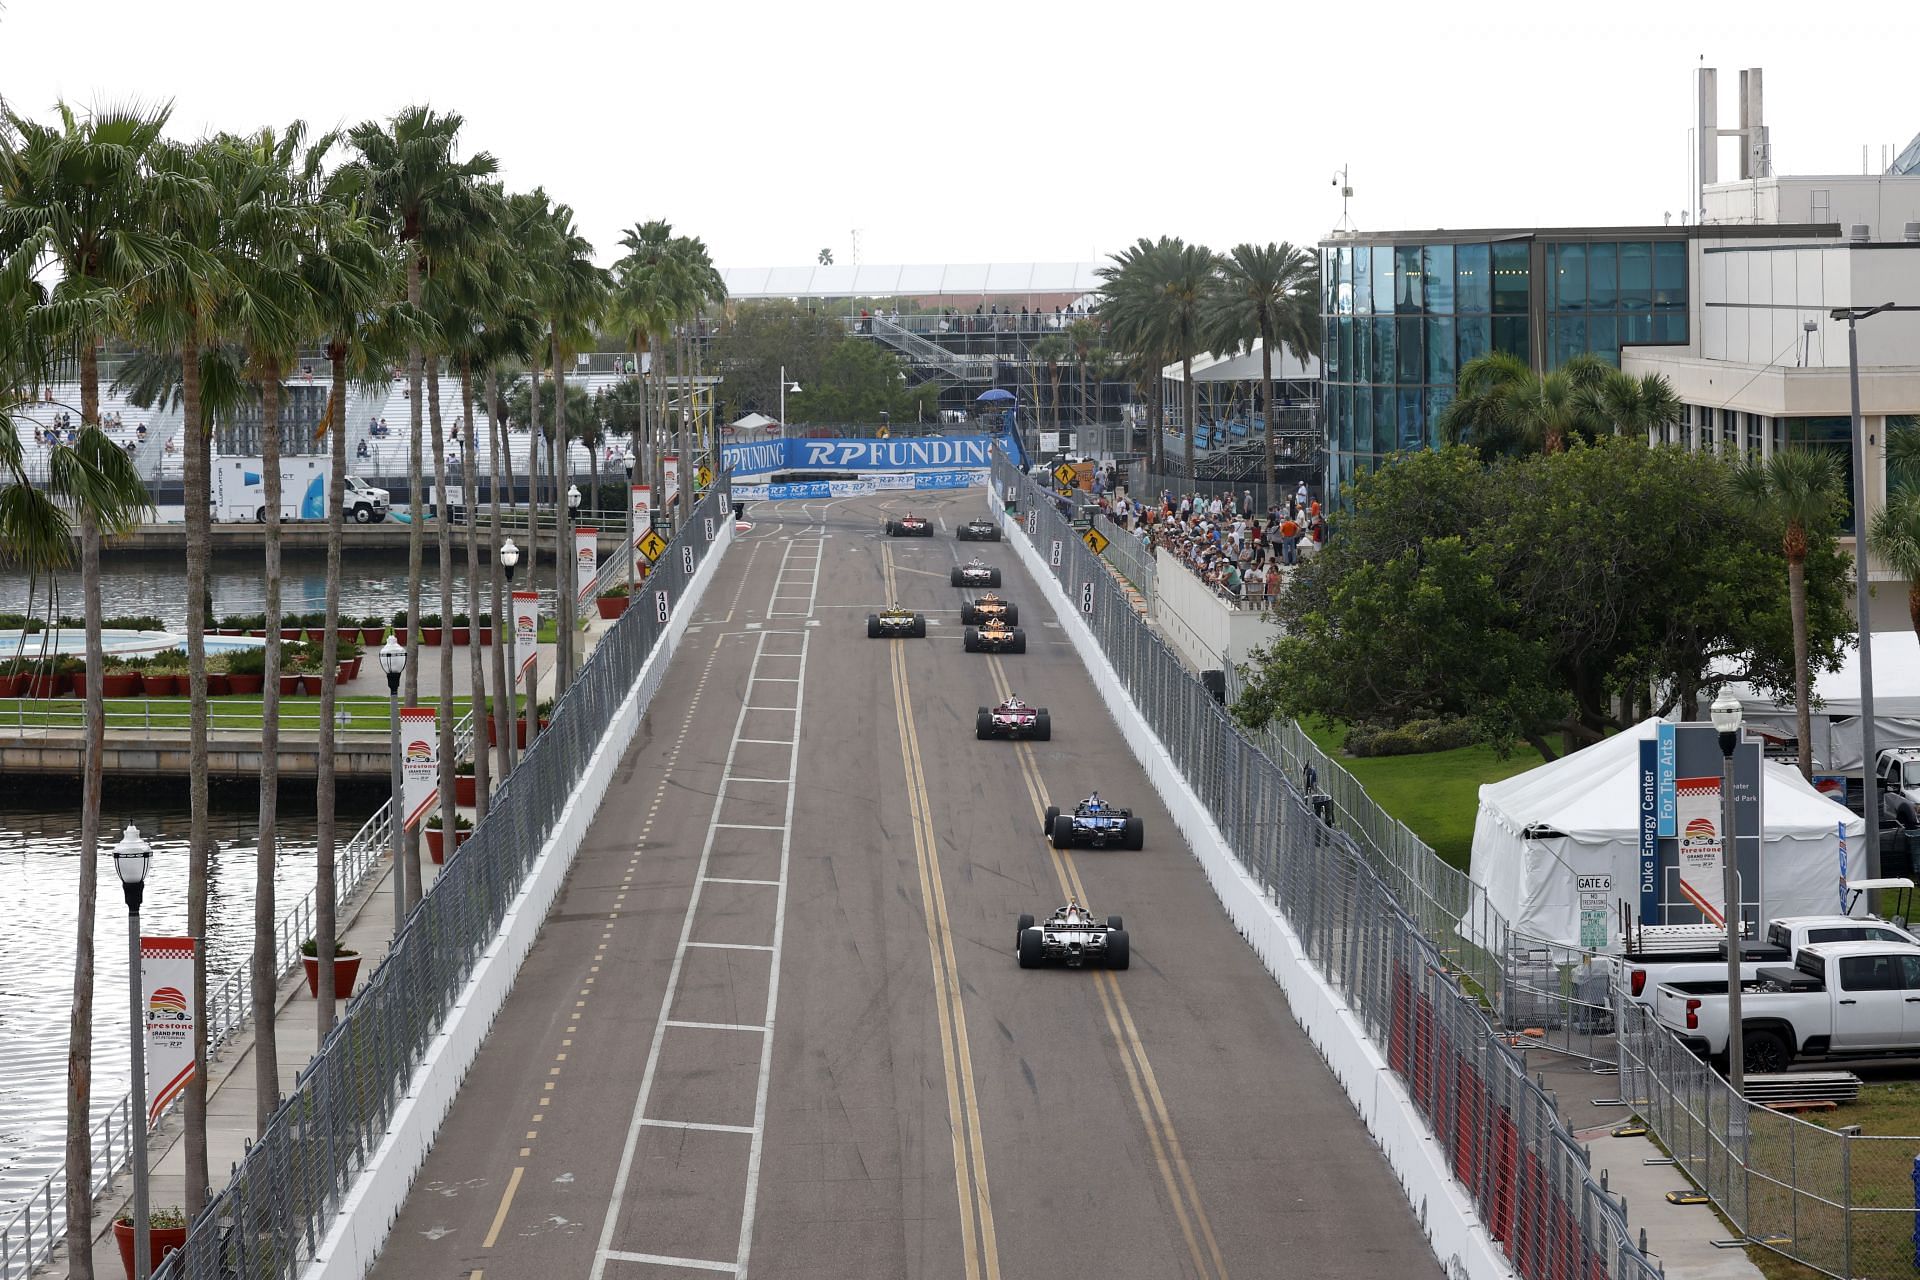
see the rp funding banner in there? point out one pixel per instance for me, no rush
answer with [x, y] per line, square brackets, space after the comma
[1702, 866]
[586, 560]
[166, 1004]
[419, 761]
[526, 630]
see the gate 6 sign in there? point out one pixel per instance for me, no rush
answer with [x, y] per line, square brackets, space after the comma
[686, 560]
[1086, 598]
[1053, 558]
[662, 607]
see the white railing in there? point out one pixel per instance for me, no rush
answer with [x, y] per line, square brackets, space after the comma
[39, 1225]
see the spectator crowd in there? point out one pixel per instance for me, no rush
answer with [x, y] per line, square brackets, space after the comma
[1241, 553]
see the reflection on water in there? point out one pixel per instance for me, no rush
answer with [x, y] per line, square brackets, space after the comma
[371, 583]
[39, 879]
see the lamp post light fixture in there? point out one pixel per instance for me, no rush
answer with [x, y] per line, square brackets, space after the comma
[393, 661]
[785, 387]
[1726, 714]
[509, 557]
[131, 858]
[573, 497]
[627, 460]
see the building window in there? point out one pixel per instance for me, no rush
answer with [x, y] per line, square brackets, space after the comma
[1383, 280]
[1413, 421]
[1636, 276]
[1567, 277]
[1473, 281]
[1363, 281]
[1440, 366]
[1510, 336]
[1510, 271]
[1360, 435]
[1437, 278]
[1412, 363]
[1406, 280]
[1476, 333]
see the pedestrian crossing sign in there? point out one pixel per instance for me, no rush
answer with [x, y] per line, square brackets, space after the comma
[703, 475]
[1063, 475]
[1095, 539]
[652, 545]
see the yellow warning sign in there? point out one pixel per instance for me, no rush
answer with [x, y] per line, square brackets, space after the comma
[703, 476]
[652, 545]
[1064, 475]
[1095, 539]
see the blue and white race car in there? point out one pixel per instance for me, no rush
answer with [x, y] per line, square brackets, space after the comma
[1094, 824]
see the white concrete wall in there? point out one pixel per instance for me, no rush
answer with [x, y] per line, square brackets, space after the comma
[370, 1206]
[1204, 629]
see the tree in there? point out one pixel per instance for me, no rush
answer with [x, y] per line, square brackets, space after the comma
[1895, 536]
[1051, 354]
[1268, 294]
[1086, 337]
[1505, 407]
[826, 257]
[1643, 406]
[1152, 297]
[1800, 489]
[760, 339]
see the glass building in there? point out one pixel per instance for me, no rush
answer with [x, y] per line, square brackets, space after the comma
[1402, 312]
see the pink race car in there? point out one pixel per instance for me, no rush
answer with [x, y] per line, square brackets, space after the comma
[1013, 719]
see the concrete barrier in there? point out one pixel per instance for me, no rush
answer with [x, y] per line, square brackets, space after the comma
[368, 1210]
[1447, 1215]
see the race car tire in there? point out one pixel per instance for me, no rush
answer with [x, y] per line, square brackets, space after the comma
[983, 724]
[919, 627]
[893, 528]
[969, 616]
[1031, 948]
[1119, 949]
[1013, 615]
[956, 578]
[994, 534]
[1043, 727]
[873, 626]
[1019, 644]
[924, 531]
[961, 534]
[1024, 923]
[1115, 922]
[1046, 824]
[993, 577]
[970, 640]
[1062, 831]
[1136, 834]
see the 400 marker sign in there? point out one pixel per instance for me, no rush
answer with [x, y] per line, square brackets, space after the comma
[662, 607]
[1086, 598]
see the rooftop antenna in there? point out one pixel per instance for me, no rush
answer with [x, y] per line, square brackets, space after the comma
[1346, 194]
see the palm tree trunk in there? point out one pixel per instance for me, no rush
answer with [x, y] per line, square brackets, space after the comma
[502, 606]
[443, 517]
[476, 599]
[533, 528]
[1802, 711]
[1266, 401]
[416, 535]
[325, 903]
[198, 477]
[567, 570]
[1189, 407]
[266, 1071]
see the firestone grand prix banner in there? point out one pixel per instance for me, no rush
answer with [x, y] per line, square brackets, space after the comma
[1702, 866]
[166, 1002]
[526, 630]
[921, 453]
[923, 480]
[419, 761]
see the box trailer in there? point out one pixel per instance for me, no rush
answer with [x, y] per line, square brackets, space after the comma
[240, 490]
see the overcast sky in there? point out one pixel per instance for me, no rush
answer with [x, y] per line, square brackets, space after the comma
[984, 131]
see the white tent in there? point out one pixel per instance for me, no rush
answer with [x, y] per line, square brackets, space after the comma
[754, 422]
[1538, 832]
[1836, 696]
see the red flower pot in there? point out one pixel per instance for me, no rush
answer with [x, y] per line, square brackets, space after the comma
[431, 635]
[371, 636]
[161, 1241]
[290, 685]
[519, 733]
[291, 633]
[250, 685]
[462, 635]
[159, 686]
[463, 790]
[10, 686]
[258, 633]
[346, 971]
[486, 635]
[346, 671]
[436, 846]
[613, 606]
[219, 684]
[125, 685]
[226, 631]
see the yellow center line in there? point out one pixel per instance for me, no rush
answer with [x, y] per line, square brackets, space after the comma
[1145, 1086]
[506, 1202]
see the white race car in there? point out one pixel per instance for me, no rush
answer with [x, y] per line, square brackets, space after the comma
[975, 573]
[1071, 937]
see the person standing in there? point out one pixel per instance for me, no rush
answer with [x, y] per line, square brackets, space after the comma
[1300, 496]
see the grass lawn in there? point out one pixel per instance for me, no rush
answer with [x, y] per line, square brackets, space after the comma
[366, 713]
[1436, 794]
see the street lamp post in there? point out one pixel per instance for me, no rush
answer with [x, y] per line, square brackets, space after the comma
[509, 557]
[131, 858]
[628, 460]
[785, 387]
[1869, 807]
[1726, 718]
[393, 661]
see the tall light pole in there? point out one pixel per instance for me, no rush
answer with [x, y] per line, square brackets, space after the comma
[393, 661]
[785, 387]
[627, 459]
[509, 557]
[1869, 807]
[131, 858]
[1726, 718]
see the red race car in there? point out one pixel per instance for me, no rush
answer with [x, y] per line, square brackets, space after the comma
[909, 527]
[1013, 719]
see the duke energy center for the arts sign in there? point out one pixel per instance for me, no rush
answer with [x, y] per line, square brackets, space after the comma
[927, 453]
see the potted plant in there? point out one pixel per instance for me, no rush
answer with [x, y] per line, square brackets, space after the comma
[247, 671]
[121, 677]
[483, 625]
[373, 630]
[346, 967]
[234, 624]
[298, 664]
[166, 1233]
[519, 727]
[165, 675]
[545, 713]
[462, 628]
[400, 624]
[290, 628]
[349, 653]
[613, 601]
[219, 683]
[430, 629]
[463, 792]
[256, 625]
[13, 677]
[462, 832]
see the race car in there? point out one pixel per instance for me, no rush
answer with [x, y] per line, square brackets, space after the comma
[977, 531]
[974, 573]
[994, 636]
[909, 527]
[978, 610]
[1094, 824]
[1013, 719]
[1071, 937]
[896, 621]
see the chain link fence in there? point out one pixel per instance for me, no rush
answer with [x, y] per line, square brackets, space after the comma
[1502, 1134]
[270, 1218]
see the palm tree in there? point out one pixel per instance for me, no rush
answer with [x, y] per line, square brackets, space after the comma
[1084, 336]
[414, 183]
[1267, 294]
[1643, 406]
[1894, 534]
[1153, 297]
[646, 301]
[1801, 488]
[81, 193]
[1504, 406]
[1051, 353]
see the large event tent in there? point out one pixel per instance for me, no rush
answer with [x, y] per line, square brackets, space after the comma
[1836, 703]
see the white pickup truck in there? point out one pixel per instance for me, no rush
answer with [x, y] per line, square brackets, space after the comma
[1840, 999]
[1646, 968]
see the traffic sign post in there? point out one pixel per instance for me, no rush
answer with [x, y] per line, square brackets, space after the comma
[1064, 476]
[1095, 539]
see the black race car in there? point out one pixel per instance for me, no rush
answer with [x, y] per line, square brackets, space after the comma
[896, 621]
[975, 573]
[977, 531]
[1013, 719]
[909, 527]
[1071, 937]
[994, 636]
[978, 610]
[1096, 824]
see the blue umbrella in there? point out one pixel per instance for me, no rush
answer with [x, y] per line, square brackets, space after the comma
[993, 395]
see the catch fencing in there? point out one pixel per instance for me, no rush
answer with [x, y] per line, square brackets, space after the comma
[1504, 1139]
[270, 1218]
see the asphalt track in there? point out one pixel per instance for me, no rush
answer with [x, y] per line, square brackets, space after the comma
[774, 1025]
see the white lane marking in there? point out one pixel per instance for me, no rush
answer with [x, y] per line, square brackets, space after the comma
[744, 826]
[769, 708]
[737, 880]
[769, 742]
[639, 1118]
[776, 679]
[697, 1125]
[782, 602]
[771, 782]
[666, 1260]
[718, 1026]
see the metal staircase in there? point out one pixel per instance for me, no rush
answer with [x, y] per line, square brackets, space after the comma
[926, 353]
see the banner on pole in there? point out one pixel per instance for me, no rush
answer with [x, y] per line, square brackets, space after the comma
[419, 761]
[641, 497]
[671, 465]
[1666, 768]
[167, 1009]
[1649, 833]
[1702, 867]
[526, 630]
[586, 559]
